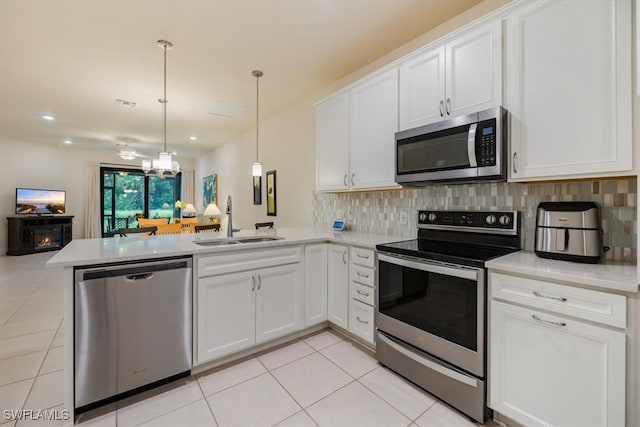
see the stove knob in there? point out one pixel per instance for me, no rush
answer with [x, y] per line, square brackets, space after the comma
[504, 220]
[432, 217]
[491, 219]
[423, 217]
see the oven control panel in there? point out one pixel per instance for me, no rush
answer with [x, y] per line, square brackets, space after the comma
[500, 220]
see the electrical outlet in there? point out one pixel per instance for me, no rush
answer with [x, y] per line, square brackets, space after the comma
[339, 213]
[403, 218]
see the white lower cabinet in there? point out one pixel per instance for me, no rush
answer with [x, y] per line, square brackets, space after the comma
[226, 315]
[362, 293]
[338, 285]
[237, 310]
[315, 284]
[547, 369]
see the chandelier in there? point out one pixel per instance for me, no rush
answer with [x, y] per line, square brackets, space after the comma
[164, 162]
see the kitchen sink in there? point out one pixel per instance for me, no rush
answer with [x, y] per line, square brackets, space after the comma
[217, 242]
[234, 240]
[258, 239]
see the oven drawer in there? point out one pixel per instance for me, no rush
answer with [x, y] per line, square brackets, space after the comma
[587, 304]
[362, 293]
[362, 256]
[361, 320]
[362, 275]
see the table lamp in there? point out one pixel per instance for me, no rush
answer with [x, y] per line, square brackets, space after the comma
[211, 211]
[189, 211]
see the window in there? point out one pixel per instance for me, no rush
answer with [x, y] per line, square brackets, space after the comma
[128, 194]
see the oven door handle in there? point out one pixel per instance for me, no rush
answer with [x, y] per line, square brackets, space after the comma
[458, 376]
[464, 273]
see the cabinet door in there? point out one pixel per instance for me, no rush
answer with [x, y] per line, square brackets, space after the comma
[332, 143]
[361, 320]
[422, 83]
[374, 122]
[561, 373]
[338, 285]
[225, 315]
[315, 284]
[569, 92]
[279, 301]
[474, 71]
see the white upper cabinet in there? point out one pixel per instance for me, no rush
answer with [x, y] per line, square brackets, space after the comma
[332, 143]
[355, 132]
[460, 77]
[568, 89]
[374, 122]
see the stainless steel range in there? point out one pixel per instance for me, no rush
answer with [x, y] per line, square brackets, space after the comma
[431, 303]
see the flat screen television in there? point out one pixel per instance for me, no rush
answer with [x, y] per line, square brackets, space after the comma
[31, 201]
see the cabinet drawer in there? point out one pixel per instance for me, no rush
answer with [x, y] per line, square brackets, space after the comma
[361, 320]
[362, 256]
[209, 265]
[362, 275]
[596, 306]
[362, 293]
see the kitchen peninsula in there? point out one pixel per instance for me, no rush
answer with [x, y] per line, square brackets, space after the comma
[284, 272]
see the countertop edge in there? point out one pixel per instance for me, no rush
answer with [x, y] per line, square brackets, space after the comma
[507, 264]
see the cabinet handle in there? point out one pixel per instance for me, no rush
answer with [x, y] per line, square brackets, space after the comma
[363, 256]
[353, 175]
[259, 282]
[346, 184]
[344, 257]
[441, 108]
[360, 320]
[448, 107]
[253, 286]
[515, 162]
[362, 274]
[366, 294]
[539, 295]
[548, 321]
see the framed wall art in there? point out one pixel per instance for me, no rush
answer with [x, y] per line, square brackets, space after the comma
[257, 190]
[209, 190]
[271, 193]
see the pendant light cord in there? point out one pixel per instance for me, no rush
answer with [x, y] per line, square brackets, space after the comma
[257, 74]
[164, 101]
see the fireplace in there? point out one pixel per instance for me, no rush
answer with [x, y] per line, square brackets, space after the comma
[29, 234]
[46, 238]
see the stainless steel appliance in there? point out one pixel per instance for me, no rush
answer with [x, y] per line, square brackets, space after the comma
[465, 148]
[569, 231]
[132, 328]
[431, 303]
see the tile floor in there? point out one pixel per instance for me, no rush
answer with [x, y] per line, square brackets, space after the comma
[321, 380]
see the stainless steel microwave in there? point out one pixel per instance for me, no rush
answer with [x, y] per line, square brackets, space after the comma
[465, 148]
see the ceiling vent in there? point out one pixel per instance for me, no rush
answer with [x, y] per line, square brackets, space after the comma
[125, 103]
[231, 111]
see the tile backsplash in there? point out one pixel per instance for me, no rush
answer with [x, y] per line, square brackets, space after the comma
[382, 211]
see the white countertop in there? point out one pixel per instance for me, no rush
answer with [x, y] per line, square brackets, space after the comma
[606, 275]
[131, 248]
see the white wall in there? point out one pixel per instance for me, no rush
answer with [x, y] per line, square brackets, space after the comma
[26, 164]
[287, 145]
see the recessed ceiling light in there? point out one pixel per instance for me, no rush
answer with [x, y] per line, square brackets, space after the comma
[67, 141]
[46, 117]
[193, 138]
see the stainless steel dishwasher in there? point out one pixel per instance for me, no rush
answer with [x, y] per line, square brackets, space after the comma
[132, 328]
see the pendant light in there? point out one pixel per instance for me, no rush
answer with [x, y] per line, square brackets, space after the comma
[164, 162]
[257, 166]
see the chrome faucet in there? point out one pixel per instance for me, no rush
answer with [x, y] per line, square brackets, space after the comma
[230, 224]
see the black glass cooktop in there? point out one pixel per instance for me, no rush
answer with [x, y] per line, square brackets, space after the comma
[453, 252]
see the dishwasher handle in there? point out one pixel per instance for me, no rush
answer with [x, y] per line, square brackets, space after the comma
[136, 277]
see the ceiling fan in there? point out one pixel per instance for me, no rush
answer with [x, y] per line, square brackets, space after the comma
[127, 153]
